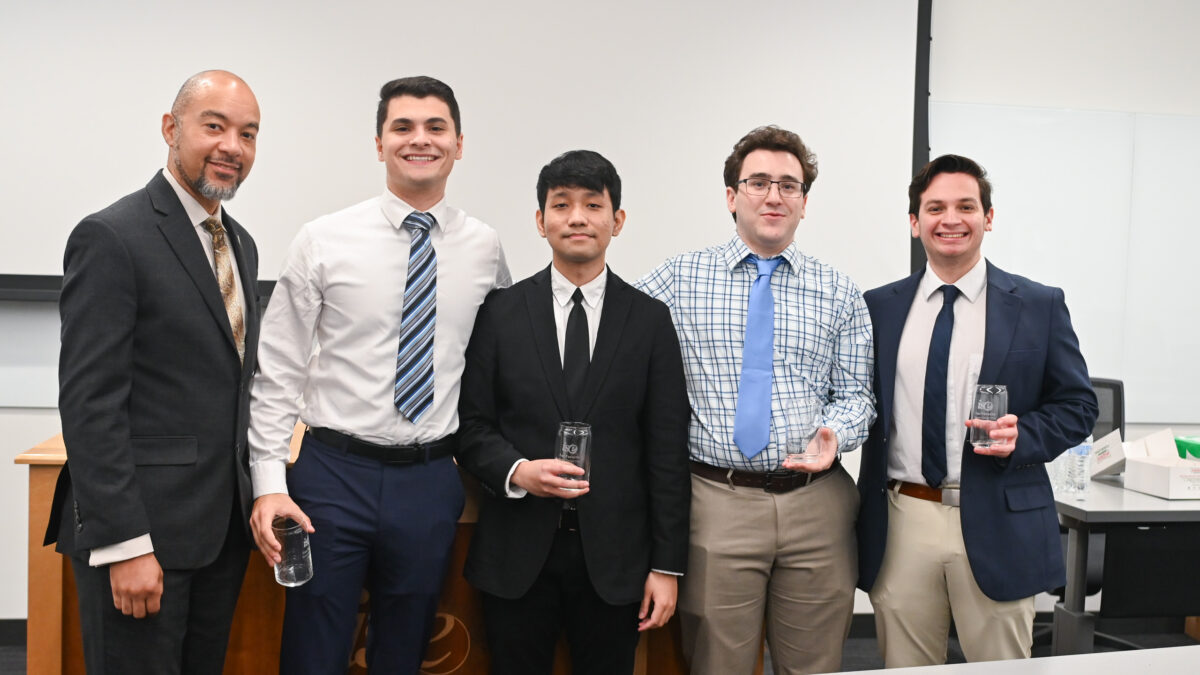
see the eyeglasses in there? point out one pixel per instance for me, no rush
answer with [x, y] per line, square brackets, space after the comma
[788, 189]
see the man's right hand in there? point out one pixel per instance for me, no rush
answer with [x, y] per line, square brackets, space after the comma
[541, 478]
[137, 585]
[266, 509]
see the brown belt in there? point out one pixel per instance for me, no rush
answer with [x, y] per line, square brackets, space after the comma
[775, 482]
[947, 496]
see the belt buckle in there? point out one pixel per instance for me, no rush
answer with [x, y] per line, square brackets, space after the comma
[402, 458]
[951, 496]
[779, 481]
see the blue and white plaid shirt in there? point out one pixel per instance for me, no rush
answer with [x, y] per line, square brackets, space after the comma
[823, 346]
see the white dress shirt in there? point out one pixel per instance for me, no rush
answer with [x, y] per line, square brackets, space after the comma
[327, 350]
[132, 548]
[962, 373]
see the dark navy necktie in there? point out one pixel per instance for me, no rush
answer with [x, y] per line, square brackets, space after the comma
[933, 413]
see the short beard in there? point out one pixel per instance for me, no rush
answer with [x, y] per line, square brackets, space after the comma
[205, 188]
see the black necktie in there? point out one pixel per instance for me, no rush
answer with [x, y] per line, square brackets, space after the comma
[933, 413]
[575, 354]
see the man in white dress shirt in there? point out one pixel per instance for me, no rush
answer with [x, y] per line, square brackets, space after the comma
[365, 341]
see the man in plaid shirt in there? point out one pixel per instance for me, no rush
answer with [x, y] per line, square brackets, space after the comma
[769, 537]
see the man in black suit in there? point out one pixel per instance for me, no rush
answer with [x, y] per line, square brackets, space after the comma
[159, 326]
[550, 552]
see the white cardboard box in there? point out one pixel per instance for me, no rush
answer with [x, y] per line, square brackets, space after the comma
[1153, 466]
[1108, 455]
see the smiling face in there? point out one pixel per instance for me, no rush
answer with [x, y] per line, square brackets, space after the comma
[211, 133]
[950, 223]
[767, 223]
[579, 224]
[418, 145]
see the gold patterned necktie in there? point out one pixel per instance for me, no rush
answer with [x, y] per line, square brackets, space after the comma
[224, 265]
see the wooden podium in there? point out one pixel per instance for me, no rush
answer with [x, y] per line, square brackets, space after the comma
[457, 647]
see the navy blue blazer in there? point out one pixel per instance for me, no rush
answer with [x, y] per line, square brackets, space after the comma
[1009, 523]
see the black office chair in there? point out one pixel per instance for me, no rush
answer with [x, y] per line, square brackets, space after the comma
[1110, 394]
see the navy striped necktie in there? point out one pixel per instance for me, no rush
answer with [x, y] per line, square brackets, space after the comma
[413, 394]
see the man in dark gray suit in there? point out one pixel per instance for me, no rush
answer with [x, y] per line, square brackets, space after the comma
[159, 326]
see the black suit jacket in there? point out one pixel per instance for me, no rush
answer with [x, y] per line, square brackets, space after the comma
[153, 400]
[635, 517]
[1009, 524]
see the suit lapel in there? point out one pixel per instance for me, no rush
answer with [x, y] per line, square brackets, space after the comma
[181, 236]
[540, 303]
[889, 324]
[617, 301]
[249, 285]
[1003, 310]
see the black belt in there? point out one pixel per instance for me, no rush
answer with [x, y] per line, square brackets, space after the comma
[775, 482]
[418, 453]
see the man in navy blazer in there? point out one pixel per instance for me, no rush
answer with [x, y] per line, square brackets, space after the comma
[159, 332]
[601, 561]
[971, 534]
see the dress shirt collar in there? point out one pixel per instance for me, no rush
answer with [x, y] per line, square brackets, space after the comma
[970, 285]
[563, 289]
[736, 251]
[195, 212]
[396, 210]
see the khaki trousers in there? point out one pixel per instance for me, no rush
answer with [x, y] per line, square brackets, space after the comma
[925, 580]
[789, 558]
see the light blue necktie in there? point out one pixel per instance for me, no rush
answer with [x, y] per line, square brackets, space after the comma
[752, 419]
[413, 394]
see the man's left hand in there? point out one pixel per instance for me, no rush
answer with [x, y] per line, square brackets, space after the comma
[825, 446]
[1003, 433]
[658, 601]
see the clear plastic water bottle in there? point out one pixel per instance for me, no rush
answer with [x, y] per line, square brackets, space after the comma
[1079, 469]
[1057, 471]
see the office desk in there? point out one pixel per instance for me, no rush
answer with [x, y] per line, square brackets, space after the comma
[1107, 503]
[1169, 661]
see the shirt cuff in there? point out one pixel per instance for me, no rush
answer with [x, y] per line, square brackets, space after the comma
[510, 490]
[674, 574]
[269, 477]
[126, 550]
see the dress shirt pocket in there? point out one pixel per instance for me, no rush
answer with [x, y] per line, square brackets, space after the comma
[1028, 497]
[164, 450]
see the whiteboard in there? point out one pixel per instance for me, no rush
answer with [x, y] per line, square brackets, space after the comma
[1099, 203]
